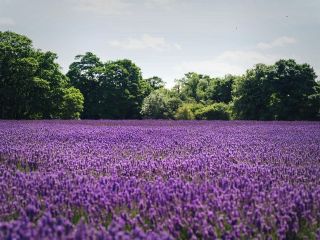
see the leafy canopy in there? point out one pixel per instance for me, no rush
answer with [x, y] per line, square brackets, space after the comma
[283, 91]
[31, 83]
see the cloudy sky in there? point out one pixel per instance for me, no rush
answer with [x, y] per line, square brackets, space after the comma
[168, 38]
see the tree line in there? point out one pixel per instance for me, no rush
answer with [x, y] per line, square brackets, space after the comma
[32, 86]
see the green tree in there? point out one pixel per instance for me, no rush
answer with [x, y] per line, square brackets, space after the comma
[71, 104]
[155, 82]
[84, 74]
[160, 104]
[220, 89]
[31, 83]
[184, 113]
[216, 111]
[293, 89]
[154, 106]
[251, 94]
[188, 87]
[121, 91]
[113, 90]
[202, 88]
[187, 110]
[172, 103]
[283, 91]
[314, 103]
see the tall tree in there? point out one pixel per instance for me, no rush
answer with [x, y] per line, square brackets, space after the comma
[292, 86]
[114, 89]
[220, 89]
[250, 94]
[160, 104]
[85, 74]
[122, 90]
[192, 86]
[31, 83]
[155, 82]
[283, 91]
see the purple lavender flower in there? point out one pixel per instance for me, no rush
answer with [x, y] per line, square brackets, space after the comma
[159, 180]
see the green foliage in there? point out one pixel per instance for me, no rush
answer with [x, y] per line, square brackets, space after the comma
[220, 89]
[250, 94]
[314, 101]
[283, 91]
[31, 83]
[187, 111]
[203, 89]
[192, 87]
[72, 103]
[121, 93]
[155, 82]
[160, 104]
[216, 111]
[112, 90]
[172, 104]
[184, 113]
[291, 86]
[84, 74]
[79, 213]
[194, 106]
[154, 106]
[32, 86]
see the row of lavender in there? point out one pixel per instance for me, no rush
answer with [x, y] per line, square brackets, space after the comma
[159, 180]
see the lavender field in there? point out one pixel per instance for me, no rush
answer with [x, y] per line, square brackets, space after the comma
[159, 180]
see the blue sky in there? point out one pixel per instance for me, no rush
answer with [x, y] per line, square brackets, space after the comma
[168, 38]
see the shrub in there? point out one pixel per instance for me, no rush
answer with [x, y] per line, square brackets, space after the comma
[172, 104]
[216, 111]
[184, 113]
[154, 106]
[160, 104]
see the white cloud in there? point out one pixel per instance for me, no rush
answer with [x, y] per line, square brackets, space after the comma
[4, 1]
[4, 21]
[228, 62]
[167, 4]
[105, 7]
[245, 57]
[119, 7]
[162, 2]
[146, 41]
[279, 42]
[237, 61]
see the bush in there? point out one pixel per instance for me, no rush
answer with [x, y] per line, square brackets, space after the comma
[216, 111]
[194, 106]
[72, 104]
[160, 105]
[172, 104]
[184, 113]
[154, 106]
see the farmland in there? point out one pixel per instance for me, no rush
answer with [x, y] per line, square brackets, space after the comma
[159, 180]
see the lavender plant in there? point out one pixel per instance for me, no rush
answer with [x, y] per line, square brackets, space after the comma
[159, 180]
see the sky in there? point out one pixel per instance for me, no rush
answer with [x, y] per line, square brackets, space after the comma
[168, 38]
